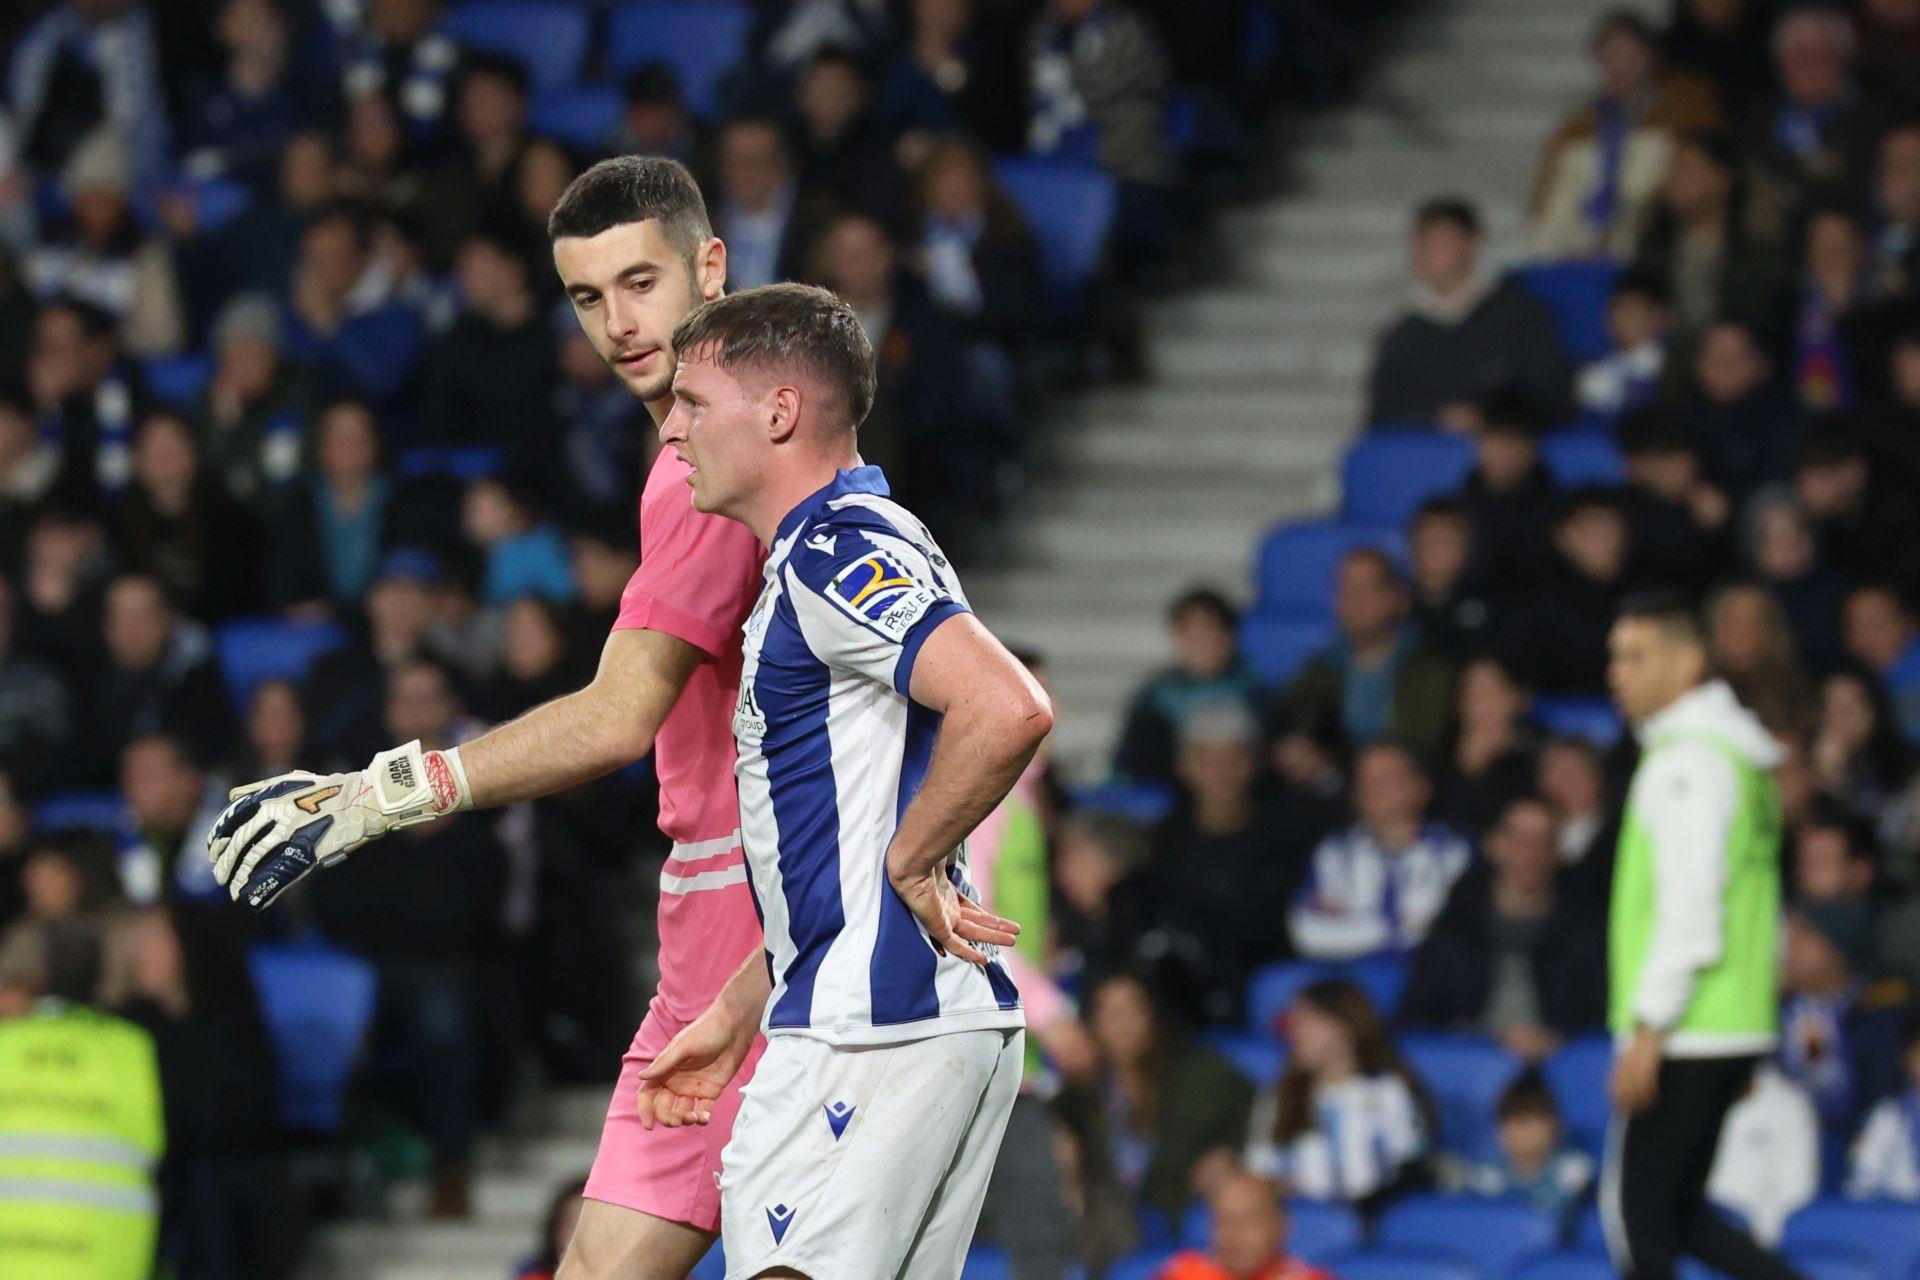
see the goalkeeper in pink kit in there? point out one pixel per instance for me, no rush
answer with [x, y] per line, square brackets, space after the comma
[635, 250]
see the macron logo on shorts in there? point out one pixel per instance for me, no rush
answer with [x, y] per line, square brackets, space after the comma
[779, 1218]
[838, 1117]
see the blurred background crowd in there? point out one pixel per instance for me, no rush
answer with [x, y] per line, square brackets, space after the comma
[302, 455]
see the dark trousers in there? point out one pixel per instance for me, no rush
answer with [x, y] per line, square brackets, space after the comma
[1653, 1184]
[1025, 1211]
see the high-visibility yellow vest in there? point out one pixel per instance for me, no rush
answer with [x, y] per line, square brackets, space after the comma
[81, 1129]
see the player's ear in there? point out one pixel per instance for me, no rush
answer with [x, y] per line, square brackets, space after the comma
[710, 266]
[784, 413]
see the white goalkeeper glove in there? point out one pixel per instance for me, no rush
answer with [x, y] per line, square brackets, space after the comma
[275, 832]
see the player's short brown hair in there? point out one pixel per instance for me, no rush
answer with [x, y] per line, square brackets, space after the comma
[787, 326]
[626, 189]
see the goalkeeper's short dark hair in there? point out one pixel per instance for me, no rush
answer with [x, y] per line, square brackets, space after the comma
[626, 189]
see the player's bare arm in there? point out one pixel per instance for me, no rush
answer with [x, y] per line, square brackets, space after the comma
[276, 831]
[680, 1086]
[994, 715]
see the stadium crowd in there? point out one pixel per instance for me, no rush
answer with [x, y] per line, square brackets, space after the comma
[283, 366]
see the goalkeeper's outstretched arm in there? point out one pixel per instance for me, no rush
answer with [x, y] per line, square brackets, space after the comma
[276, 831]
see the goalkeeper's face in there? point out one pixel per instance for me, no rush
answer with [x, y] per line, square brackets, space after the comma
[630, 285]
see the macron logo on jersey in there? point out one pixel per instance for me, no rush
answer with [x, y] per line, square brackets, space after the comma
[879, 592]
[779, 1218]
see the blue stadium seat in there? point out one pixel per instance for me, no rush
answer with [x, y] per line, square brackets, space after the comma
[1387, 474]
[459, 463]
[1827, 1262]
[711, 1267]
[1589, 1236]
[702, 40]
[1142, 1264]
[1382, 977]
[176, 381]
[1578, 1077]
[1276, 646]
[547, 37]
[1297, 562]
[216, 202]
[985, 1262]
[1142, 802]
[580, 115]
[253, 650]
[1071, 210]
[1321, 1229]
[1576, 293]
[1886, 1230]
[94, 810]
[1490, 1235]
[1579, 458]
[1316, 1229]
[318, 1003]
[1273, 986]
[1594, 719]
[1399, 1264]
[1259, 1056]
[1465, 1075]
[1564, 1266]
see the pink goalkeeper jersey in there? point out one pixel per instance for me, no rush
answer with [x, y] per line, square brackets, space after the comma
[698, 578]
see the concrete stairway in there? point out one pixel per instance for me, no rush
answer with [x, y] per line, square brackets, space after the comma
[1260, 381]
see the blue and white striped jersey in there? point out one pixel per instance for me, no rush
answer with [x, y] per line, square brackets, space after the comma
[831, 751]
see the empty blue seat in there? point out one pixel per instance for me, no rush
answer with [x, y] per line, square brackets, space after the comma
[1070, 208]
[1142, 1264]
[1382, 977]
[456, 462]
[580, 115]
[1387, 474]
[1576, 293]
[1465, 1075]
[176, 381]
[1886, 1230]
[702, 40]
[1399, 1264]
[1595, 719]
[1589, 1234]
[547, 37]
[1828, 1262]
[1260, 1057]
[95, 810]
[253, 650]
[318, 1003]
[1297, 563]
[1276, 646]
[1578, 1077]
[1579, 458]
[985, 1262]
[1585, 1265]
[1491, 1235]
[713, 1266]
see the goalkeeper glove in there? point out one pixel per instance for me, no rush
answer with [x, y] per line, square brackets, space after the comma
[274, 832]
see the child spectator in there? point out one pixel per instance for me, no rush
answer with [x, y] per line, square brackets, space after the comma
[1886, 1159]
[1536, 1166]
[1203, 626]
[1509, 495]
[1451, 605]
[1350, 1121]
[1745, 428]
[1378, 885]
[1249, 1238]
[1638, 328]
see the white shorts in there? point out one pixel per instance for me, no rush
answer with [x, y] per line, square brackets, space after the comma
[866, 1162]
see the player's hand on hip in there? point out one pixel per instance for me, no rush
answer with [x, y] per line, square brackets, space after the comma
[273, 833]
[954, 922]
[681, 1085]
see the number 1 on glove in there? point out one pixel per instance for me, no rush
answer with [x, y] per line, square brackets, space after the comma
[273, 833]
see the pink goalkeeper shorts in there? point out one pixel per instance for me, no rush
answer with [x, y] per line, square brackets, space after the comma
[668, 1173]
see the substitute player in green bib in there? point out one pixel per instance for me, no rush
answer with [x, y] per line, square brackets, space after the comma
[1692, 939]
